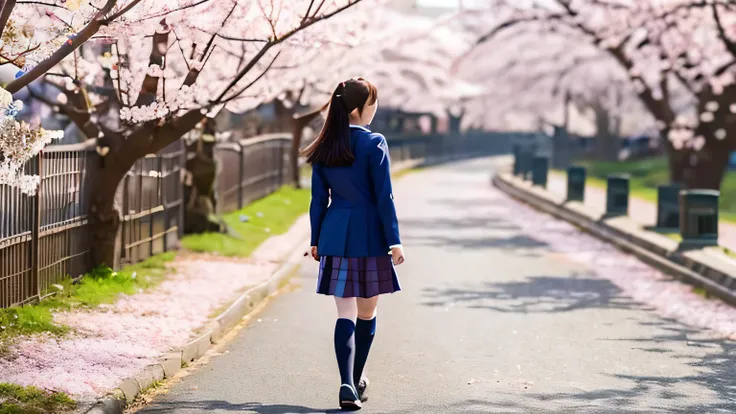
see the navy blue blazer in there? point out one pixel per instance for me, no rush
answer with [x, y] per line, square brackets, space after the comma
[360, 220]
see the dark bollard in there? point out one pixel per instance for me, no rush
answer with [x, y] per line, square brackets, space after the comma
[617, 195]
[699, 217]
[517, 159]
[576, 183]
[540, 169]
[668, 206]
[525, 159]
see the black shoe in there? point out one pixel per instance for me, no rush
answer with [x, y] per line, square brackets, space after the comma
[349, 400]
[362, 386]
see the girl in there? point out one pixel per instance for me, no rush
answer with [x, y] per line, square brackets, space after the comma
[352, 237]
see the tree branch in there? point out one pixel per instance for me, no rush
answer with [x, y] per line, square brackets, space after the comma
[7, 8]
[251, 83]
[730, 45]
[240, 39]
[268, 45]
[65, 50]
[214, 36]
[112, 18]
[165, 13]
[159, 47]
[42, 3]
[309, 9]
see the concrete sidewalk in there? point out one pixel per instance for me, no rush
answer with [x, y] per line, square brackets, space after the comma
[503, 310]
[641, 211]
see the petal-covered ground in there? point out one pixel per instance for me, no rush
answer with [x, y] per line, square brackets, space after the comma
[671, 298]
[113, 342]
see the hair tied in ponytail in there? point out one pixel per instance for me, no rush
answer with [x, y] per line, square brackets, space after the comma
[332, 147]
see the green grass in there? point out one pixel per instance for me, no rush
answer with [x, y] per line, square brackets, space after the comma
[271, 215]
[673, 234]
[15, 399]
[647, 174]
[99, 286]
[702, 292]
[305, 171]
[406, 171]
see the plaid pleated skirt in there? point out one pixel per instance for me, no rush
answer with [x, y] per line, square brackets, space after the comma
[357, 277]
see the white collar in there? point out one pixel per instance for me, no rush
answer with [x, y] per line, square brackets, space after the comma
[360, 127]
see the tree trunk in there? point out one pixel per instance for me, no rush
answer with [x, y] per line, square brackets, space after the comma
[298, 125]
[105, 216]
[200, 206]
[705, 169]
[676, 160]
[454, 123]
[296, 143]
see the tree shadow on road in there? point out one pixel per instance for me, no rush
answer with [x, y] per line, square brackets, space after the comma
[518, 405]
[462, 223]
[711, 361]
[715, 374]
[521, 245]
[221, 405]
[486, 201]
[536, 294]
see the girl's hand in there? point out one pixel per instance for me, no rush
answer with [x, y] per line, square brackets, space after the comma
[313, 251]
[397, 255]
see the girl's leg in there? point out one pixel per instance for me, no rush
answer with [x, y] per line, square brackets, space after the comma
[365, 330]
[347, 311]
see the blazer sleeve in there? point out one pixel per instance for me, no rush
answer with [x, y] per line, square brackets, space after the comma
[380, 166]
[318, 206]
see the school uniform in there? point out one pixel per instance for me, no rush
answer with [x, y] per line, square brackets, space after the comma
[354, 224]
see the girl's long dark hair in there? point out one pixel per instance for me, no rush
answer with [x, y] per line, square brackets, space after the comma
[331, 148]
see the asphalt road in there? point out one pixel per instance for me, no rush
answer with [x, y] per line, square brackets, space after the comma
[488, 322]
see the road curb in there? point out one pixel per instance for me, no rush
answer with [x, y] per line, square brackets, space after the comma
[703, 269]
[168, 366]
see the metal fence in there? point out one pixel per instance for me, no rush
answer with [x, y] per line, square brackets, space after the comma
[152, 204]
[250, 169]
[44, 238]
[435, 147]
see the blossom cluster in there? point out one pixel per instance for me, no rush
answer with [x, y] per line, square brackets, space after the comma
[187, 97]
[19, 143]
[669, 58]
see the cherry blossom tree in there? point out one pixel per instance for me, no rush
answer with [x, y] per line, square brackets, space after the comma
[34, 37]
[168, 66]
[663, 47]
[408, 59]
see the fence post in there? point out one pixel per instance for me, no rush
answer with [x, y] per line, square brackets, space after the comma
[241, 166]
[139, 196]
[36, 229]
[123, 222]
[182, 171]
[281, 165]
[159, 175]
[161, 200]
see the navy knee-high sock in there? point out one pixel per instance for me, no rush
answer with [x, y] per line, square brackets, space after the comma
[345, 349]
[365, 331]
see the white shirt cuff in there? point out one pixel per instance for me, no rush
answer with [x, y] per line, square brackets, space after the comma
[395, 246]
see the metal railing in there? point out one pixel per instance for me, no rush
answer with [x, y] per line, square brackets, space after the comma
[250, 169]
[153, 204]
[44, 238]
[431, 148]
